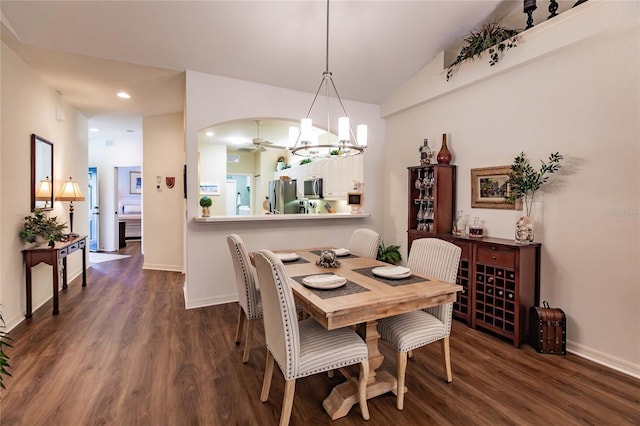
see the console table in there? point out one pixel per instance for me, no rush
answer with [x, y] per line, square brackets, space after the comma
[52, 256]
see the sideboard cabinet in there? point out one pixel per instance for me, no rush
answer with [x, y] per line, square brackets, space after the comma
[501, 281]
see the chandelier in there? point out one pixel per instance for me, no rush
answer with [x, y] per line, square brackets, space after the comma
[303, 141]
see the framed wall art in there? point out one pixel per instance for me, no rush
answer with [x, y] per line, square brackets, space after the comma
[489, 188]
[135, 183]
[208, 188]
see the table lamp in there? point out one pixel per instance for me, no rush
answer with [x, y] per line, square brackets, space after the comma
[70, 192]
[44, 191]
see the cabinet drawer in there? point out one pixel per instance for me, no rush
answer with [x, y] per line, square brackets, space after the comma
[466, 247]
[497, 256]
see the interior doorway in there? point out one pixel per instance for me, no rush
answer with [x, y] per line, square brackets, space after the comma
[240, 195]
[94, 210]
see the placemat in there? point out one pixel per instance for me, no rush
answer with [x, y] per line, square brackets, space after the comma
[348, 256]
[293, 262]
[393, 283]
[349, 288]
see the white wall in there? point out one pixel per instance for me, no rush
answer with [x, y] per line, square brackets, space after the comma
[163, 209]
[124, 152]
[29, 106]
[213, 99]
[582, 100]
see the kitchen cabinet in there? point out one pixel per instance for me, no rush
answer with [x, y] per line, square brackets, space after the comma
[340, 175]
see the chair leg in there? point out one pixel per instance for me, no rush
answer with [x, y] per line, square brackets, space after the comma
[362, 388]
[248, 341]
[410, 354]
[446, 359]
[268, 373]
[287, 403]
[241, 317]
[401, 368]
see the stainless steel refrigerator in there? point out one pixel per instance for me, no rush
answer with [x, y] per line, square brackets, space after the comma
[283, 197]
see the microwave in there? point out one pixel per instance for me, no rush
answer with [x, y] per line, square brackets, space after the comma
[313, 188]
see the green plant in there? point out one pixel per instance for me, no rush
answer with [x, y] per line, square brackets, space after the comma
[305, 161]
[390, 254]
[4, 364]
[336, 152]
[492, 36]
[524, 180]
[206, 201]
[38, 224]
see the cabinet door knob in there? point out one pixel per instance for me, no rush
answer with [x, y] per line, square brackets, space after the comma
[493, 247]
[493, 257]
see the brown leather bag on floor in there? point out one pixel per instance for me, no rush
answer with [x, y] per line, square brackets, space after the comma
[548, 330]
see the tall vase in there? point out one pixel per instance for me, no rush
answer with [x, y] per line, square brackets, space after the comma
[524, 222]
[444, 155]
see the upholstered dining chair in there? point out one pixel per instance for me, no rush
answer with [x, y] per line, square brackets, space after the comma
[250, 309]
[405, 332]
[364, 242]
[301, 348]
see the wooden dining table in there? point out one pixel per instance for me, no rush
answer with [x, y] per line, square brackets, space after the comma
[363, 300]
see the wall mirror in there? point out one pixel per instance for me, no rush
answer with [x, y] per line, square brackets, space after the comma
[41, 173]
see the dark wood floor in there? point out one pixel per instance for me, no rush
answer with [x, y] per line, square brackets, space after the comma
[124, 351]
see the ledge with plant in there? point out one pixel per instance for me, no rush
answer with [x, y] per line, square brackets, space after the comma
[491, 37]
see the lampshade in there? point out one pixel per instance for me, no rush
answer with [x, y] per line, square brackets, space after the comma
[44, 191]
[70, 192]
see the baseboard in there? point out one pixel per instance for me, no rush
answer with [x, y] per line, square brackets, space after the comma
[207, 301]
[605, 359]
[169, 268]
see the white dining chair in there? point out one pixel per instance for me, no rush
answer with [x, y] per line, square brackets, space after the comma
[364, 242]
[250, 309]
[438, 259]
[301, 348]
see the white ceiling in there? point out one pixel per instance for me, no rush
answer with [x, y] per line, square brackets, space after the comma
[89, 50]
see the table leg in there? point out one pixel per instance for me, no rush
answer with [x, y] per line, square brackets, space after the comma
[84, 266]
[28, 272]
[345, 395]
[56, 274]
[64, 273]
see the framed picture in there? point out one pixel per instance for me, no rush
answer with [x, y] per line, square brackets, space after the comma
[489, 188]
[209, 188]
[135, 183]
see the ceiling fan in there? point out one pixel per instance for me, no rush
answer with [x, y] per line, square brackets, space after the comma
[260, 143]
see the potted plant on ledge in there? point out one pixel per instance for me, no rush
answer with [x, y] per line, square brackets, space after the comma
[523, 183]
[206, 203]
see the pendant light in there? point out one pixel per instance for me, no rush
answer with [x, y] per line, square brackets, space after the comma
[306, 144]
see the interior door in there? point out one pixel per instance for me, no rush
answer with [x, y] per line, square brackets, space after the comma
[94, 210]
[231, 198]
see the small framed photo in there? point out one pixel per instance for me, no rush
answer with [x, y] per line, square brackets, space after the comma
[489, 188]
[209, 188]
[135, 183]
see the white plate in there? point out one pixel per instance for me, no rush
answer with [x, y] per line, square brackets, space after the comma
[324, 281]
[392, 272]
[341, 251]
[288, 257]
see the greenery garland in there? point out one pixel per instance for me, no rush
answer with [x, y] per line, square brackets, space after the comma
[492, 36]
